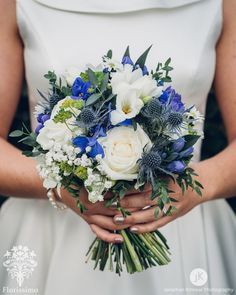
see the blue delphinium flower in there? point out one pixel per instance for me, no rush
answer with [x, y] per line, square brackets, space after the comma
[176, 166]
[41, 118]
[171, 97]
[127, 60]
[91, 141]
[178, 144]
[186, 153]
[84, 142]
[80, 88]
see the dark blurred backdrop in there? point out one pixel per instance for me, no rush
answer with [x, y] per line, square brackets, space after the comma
[215, 139]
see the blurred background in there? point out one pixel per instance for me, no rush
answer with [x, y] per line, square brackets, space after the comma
[214, 142]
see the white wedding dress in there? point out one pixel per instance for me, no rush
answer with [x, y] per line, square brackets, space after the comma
[58, 34]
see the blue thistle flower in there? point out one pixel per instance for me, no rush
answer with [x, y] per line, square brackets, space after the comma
[151, 160]
[175, 119]
[87, 117]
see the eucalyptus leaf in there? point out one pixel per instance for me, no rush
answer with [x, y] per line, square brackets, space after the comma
[105, 82]
[92, 77]
[16, 133]
[93, 99]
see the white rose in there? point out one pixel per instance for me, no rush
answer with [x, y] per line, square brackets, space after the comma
[123, 147]
[53, 133]
[71, 74]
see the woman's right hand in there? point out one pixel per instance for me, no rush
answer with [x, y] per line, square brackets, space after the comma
[99, 217]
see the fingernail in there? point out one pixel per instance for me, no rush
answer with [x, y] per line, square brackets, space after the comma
[134, 230]
[119, 219]
[113, 205]
[118, 240]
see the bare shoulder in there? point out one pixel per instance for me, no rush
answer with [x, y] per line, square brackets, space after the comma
[8, 16]
[229, 13]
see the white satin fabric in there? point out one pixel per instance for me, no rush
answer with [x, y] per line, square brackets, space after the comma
[59, 34]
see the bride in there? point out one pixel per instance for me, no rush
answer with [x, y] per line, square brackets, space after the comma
[200, 36]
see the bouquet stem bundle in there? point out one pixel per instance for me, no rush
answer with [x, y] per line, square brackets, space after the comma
[137, 253]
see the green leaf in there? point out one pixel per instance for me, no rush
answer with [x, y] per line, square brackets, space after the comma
[190, 140]
[105, 82]
[142, 59]
[16, 133]
[109, 53]
[168, 61]
[92, 77]
[126, 52]
[27, 153]
[198, 191]
[199, 184]
[93, 99]
[134, 124]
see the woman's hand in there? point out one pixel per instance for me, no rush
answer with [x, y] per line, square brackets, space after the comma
[144, 220]
[97, 216]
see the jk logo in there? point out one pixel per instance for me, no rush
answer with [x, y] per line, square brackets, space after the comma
[198, 277]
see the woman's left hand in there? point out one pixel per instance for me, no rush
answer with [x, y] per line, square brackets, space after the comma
[144, 220]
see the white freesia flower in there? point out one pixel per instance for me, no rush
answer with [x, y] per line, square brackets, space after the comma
[132, 89]
[53, 133]
[71, 74]
[125, 77]
[123, 147]
[128, 105]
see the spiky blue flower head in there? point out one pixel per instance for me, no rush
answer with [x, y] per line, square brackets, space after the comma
[54, 99]
[172, 98]
[153, 109]
[151, 160]
[80, 88]
[175, 119]
[87, 117]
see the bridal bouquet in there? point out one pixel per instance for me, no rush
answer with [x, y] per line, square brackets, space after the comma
[113, 128]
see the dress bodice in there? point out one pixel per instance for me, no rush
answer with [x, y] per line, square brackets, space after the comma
[58, 34]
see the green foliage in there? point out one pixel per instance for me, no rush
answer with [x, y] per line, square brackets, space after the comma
[62, 116]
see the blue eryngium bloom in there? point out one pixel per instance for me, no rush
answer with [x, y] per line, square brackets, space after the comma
[176, 166]
[83, 142]
[127, 60]
[80, 88]
[178, 144]
[186, 152]
[171, 97]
